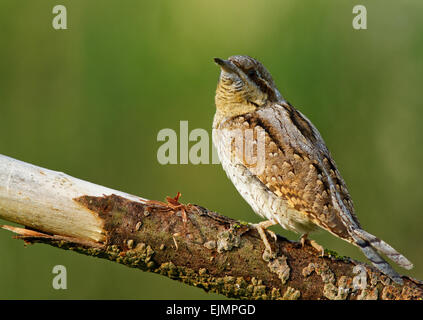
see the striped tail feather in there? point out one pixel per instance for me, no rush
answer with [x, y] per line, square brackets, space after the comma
[372, 247]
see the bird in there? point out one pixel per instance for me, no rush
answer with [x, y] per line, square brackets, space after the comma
[296, 184]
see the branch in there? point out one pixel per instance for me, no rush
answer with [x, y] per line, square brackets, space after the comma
[187, 243]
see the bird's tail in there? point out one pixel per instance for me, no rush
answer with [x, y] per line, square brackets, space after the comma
[372, 247]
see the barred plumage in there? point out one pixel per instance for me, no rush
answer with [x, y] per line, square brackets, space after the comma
[299, 185]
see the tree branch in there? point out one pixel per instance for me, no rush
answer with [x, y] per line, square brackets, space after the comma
[183, 242]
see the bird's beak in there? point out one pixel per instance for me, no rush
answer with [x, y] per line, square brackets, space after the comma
[226, 65]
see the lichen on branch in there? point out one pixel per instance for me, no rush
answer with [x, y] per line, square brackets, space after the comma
[201, 248]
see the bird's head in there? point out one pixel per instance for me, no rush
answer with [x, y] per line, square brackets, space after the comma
[244, 85]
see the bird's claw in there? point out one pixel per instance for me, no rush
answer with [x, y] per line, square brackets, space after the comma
[260, 227]
[313, 243]
[272, 234]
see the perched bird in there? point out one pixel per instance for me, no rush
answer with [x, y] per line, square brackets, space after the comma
[297, 183]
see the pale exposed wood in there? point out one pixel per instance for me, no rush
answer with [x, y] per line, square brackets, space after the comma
[42, 199]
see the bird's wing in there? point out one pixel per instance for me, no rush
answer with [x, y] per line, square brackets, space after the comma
[298, 167]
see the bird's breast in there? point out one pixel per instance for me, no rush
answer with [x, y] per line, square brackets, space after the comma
[263, 201]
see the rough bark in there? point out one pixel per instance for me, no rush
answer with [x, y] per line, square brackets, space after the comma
[201, 248]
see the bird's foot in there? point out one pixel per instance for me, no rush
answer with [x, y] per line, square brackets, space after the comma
[260, 227]
[304, 239]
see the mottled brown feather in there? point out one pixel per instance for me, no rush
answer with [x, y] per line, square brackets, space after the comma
[292, 172]
[298, 185]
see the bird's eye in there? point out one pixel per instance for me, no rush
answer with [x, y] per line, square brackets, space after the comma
[251, 73]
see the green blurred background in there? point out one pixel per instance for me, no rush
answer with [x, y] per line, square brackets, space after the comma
[90, 101]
